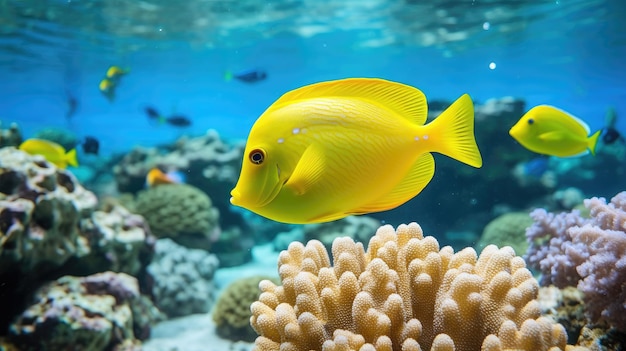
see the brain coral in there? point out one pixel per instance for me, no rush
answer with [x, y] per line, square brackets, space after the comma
[404, 293]
[232, 309]
[179, 211]
[508, 229]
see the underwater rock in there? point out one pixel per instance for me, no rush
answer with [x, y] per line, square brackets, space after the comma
[10, 136]
[181, 279]
[118, 240]
[78, 313]
[40, 208]
[181, 212]
[49, 227]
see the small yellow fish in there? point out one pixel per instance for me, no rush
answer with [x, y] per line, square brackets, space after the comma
[352, 146]
[116, 71]
[107, 88]
[52, 151]
[550, 131]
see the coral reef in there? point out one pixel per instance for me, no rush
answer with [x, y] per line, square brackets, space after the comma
[49, 228]
[507, 230]
[232, 309]
[86, 313]
[403, 293]
[589, 253]
[207, 162]
[181, 212]
[181, 279]
[10, 136]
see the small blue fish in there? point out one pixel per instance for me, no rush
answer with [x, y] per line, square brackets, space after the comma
[248, 76]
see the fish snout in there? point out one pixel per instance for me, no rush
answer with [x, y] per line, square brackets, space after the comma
[235, 197]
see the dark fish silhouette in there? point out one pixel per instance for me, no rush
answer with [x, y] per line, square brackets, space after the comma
[178, 121]
[91, 145]
[248, 76]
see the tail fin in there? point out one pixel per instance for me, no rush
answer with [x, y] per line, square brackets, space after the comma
[592, 141]
[455, 128]
[70, 157]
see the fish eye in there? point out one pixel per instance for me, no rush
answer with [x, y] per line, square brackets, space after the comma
[257, 156]
[531, 121]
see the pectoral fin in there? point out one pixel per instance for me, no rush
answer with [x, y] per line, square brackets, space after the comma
[308, 170]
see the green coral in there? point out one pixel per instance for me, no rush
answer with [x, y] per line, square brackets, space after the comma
[232, 310]
[181, 212]
[508, 229]
[62, 137]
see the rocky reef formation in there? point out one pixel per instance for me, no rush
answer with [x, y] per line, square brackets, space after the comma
[91, 313]
[49, 227]
[181, 279]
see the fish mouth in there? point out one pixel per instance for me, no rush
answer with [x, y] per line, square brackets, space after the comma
[236, 198]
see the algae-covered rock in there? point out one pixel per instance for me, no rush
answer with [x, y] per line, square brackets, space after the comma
[232, 309]
[78, 313]
[10, 136]
[181, 212]
[507, 230]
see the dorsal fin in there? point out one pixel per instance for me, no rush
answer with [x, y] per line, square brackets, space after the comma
[405, 100]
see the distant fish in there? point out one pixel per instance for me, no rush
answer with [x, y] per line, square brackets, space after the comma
[91, 145]
[52, 152]
[107, 88]
[72, 106]
[352, 146]
[110, 82]
[248, 76]
[178, 121]
[609, 133]
[115, 72]
[152, 112]
[548, 130]
[537, 166]
[157, 177]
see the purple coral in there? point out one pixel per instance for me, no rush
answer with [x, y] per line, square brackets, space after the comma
[586, 252]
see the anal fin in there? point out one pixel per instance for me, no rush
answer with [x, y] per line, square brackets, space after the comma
[418, 176]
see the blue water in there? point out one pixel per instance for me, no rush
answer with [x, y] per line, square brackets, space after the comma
[574, 61]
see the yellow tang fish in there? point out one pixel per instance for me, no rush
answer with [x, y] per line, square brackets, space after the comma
[114, 72]
[353, 146]
[52, 152]
[550, 131]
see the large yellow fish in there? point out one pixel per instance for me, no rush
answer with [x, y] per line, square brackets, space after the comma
[52, 152]
[550, 131]
[353, 146]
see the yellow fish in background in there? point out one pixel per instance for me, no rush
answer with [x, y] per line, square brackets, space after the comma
[353, 146]
[114, 72]
[550, 131]
[52, 151]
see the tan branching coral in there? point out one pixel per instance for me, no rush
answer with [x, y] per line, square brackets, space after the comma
[404, 293]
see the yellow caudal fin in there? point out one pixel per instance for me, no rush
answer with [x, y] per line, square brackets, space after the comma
[593, 141]
[453, 133]
[70, 158]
